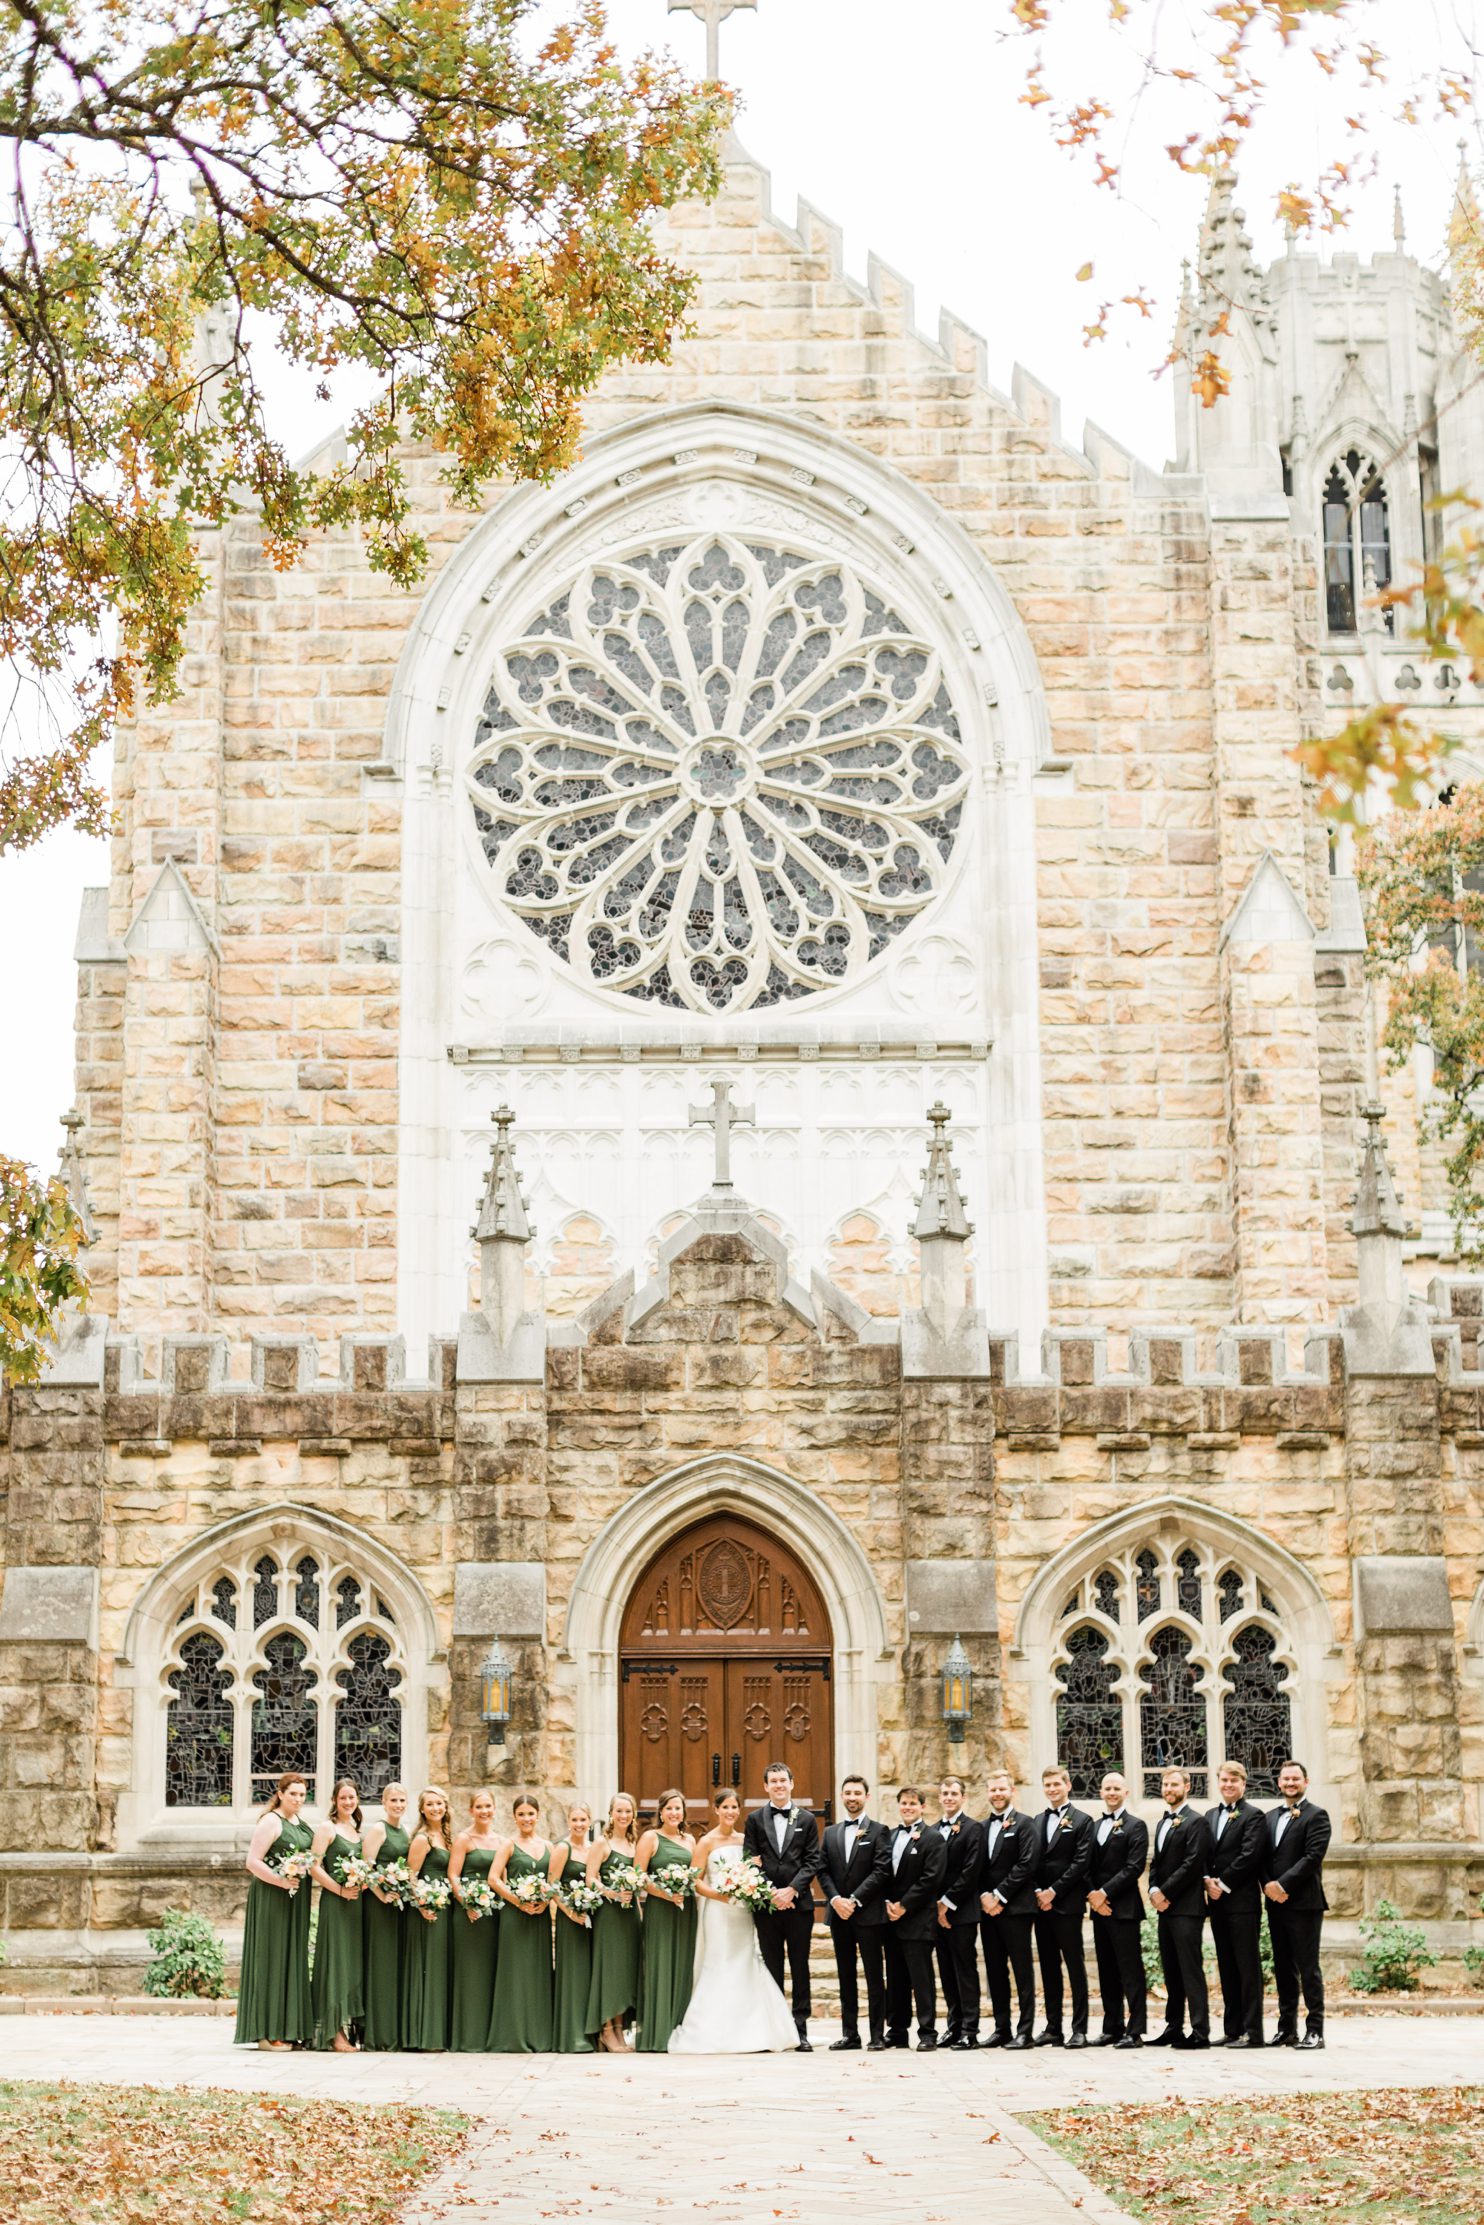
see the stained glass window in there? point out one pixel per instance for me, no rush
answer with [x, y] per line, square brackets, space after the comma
[347, 1601]
[198, 1728]
[1188, 1584]
[1089, 1715]
[1256, 1715]
[1148, 1591]
[1105, 1595]
[1230, 1593]
[385, 1611]
[1074, 1602]
[224, 1601]
[1357, 542]
[285, 1718]
[1172, 1714]
[264, 1592]
[306, 1592]
[368, 1719]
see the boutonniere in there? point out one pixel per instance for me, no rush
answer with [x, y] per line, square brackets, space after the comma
[1065, 1824]
[915, 1833]
[954, 1829]
[1008, 1832]
[1117, 1827]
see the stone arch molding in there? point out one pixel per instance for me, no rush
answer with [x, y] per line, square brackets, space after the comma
[1308, 1643]
[625, 1545]
[663, 470]
[141, 1662]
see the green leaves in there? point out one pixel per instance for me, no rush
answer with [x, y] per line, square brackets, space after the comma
[40, 1237]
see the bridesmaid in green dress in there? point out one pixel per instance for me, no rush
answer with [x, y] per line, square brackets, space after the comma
[613, 1994]
[476, 1937]
[385, 1926]
[337, 1985]
[574, 1942]
[273, 2005]
[428, 2001]
[520, 2018]
[669, 1931]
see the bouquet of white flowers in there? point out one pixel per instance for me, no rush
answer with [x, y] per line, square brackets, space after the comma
[533, 1890]
[747, 1884]
[293, 1869]
[479, 1897]
[396, 1881]
[677, 1878]
[623, 1877]
[583, 1899]
[357, 1872]
[432, 1893]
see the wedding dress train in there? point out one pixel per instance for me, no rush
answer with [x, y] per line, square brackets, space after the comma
[735, 2008]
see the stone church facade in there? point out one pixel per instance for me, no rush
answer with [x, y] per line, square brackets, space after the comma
[837, 754]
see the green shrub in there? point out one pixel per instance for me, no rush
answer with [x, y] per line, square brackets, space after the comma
[188, 1961]
[1473, 1957]
[1396, 1954]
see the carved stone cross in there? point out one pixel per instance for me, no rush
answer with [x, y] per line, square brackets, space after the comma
[723, 1116]
[713, 13]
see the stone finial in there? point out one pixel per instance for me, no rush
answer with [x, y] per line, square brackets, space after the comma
[1398, 221]
[502, 1233]
[942, 1228]
[74, 1174]
[1376, 1222]
[1227, 272]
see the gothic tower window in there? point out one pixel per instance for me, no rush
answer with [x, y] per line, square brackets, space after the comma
[1201, 1671]
[1357, 541]
[199, 1727]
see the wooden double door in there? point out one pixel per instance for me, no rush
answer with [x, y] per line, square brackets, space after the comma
[725, 1667]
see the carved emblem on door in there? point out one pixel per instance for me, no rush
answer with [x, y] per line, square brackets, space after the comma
[693, 1721]
[757, 1722]
[796, 1722]
[724, 1583]
[654, 1723]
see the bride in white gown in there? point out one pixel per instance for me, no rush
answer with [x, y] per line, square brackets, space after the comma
[735, 2008]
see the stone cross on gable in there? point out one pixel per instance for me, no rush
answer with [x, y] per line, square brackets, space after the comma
[713, 13]
[723, 1116]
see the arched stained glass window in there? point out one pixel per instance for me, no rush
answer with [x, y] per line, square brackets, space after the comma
[1255, 1713]
[1089, 1714]
[1172, 1715]
[368, 1720]
[285, 1716]
[1357, 541]
[199, 1724]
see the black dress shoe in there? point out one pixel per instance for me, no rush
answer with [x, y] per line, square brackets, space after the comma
[1284, 2039]
[1243, 2041]
[1106, 2039]
[995, 2039]
[1050, 2039]
[877, 2047]
[838, 2047]
[1021, 2039]
[1128, 2040]
[929, 2045]
[804, 2048]
[1078, 2039]
[897, 2043]
[1312, 2039]
[1193, 2046]
[961, 2047]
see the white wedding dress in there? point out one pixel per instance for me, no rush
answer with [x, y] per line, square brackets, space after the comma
[735, 2008]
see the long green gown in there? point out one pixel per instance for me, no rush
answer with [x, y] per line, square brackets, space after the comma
[574, 1971]
[613, 1990]
[669, 1960]
[476, 1952]
[384, 1936]
[428, 2000]
[337, 1988]
[273, 1993]
[520, 2017]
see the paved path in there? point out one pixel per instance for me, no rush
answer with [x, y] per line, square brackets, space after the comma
[819, 2139]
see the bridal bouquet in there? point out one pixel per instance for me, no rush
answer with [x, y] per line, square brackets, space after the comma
[677, 1878]
[747, 1884]
[293, 1869]
[622, 1877]
[534, 1891]
[357, 1873]
[432, 1893]
[583, 1899]
[479, 1897]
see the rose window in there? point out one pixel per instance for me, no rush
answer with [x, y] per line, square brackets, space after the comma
[718, 774]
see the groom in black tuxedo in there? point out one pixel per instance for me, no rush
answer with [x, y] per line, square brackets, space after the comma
[784, 1842]
[857, 1865]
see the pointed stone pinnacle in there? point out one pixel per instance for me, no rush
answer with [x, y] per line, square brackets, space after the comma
[1378, 1210]
[502, 1215]
[74, 1177]
[940, 1209]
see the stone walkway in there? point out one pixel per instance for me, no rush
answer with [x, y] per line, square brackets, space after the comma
[818, 2139]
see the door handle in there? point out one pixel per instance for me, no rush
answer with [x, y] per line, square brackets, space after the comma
[736, 1769]
[716, 1769]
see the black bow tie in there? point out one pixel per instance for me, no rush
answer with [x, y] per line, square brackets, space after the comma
[1110, 1815]
[1294, 1811]
[1228, 1811]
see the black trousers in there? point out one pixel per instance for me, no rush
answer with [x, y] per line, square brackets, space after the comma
[868, 1941]
[1058, 1943]
[1235, 1933]
[958, 1975]
[1007, 1949]
[1185, 1979]
[1116, 1942]
[1295, 1936]
[909, 1985]
[785, 1933]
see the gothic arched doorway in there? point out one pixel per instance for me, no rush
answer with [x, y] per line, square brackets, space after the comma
[724, 1666]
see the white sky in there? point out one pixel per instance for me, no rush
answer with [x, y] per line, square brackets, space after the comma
[901, 120]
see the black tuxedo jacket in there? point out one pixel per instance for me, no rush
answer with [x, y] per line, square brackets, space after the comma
[1011, 1870]
[1298, 1863]
[1181, 1866]
[964, 1849]
[798, 1864]
[864, 1878]
[1064, 1863]
[916, 1882]
[1237, 1857]
[1118, 1865]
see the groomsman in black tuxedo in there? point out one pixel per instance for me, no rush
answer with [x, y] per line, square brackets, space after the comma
[1117, 1909]
[783, 1839]
[918, 1860]
[1007, 1903]
[857, 1866]
[958, 1915]
[1067, 1841]
[1298, 1837]
[1177, 1887]
[1239, 1837]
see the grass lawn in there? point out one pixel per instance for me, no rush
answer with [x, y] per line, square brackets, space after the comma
[127, 2155]
[1394, 2157]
